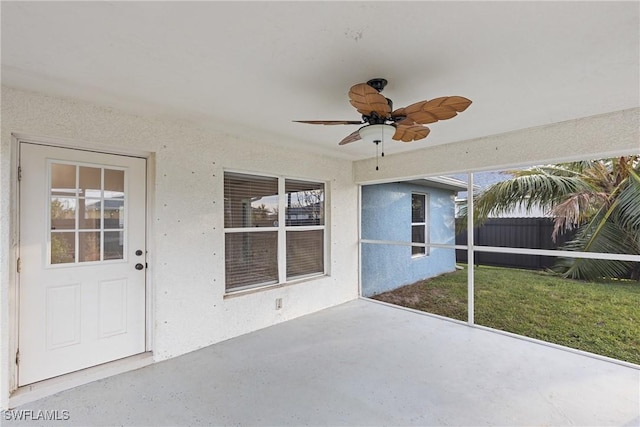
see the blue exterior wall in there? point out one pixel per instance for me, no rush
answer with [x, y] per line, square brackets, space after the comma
[386, 215]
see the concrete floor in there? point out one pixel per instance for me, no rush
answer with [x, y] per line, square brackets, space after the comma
[362, 363]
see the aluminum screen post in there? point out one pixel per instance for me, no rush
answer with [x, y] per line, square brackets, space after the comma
[470, 252]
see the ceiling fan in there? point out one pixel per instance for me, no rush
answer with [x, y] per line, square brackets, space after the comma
[381, 121]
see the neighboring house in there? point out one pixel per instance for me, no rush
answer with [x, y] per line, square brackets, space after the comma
[417, 211]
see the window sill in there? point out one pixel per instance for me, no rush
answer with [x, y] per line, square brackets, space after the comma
[262, 288]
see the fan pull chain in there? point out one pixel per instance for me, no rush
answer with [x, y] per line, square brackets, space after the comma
[378, 141]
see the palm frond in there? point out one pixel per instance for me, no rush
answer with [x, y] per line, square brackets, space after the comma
[576, 209]
[536, 187]
[607, 240]
[579, 166]
[628, 209]
[602, 234]
[599, 198]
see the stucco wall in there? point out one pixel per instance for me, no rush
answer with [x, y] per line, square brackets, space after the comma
[186, 244]
[386, 215]
[604, 135]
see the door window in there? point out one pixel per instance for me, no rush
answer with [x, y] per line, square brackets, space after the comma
[87, 221]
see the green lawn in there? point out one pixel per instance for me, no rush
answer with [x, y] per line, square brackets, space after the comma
[599, 317]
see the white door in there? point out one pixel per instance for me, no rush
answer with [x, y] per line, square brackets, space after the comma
[82, 260]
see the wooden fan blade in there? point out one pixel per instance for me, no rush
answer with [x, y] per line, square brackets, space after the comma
[352, 137]
[408, 132]
[458, 103]
[400, 112]
[330, 122]
[442, 108]
[367, 100]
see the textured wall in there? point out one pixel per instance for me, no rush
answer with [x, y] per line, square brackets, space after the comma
[186, 244]
[386, 215]
[592, 137]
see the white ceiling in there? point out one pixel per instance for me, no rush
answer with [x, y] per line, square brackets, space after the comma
[253, 67]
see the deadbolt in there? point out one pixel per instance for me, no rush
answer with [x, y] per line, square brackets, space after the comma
[138, 252]
[139, 266]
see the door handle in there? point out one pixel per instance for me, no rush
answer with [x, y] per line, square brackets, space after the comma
[139, 266]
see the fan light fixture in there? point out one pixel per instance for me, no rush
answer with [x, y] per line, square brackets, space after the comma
[377, 133]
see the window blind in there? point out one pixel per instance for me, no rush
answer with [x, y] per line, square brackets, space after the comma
[305, 253]
[251, 259]
[250, 201]
[253, 228]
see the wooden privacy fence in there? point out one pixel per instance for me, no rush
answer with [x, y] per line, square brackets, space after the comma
[532, 233]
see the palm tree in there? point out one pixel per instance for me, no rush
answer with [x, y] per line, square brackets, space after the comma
[600, 199]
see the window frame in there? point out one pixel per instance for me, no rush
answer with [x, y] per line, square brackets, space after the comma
[282, 229]
[424, 250]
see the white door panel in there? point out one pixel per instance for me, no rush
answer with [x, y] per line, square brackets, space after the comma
[82, 300]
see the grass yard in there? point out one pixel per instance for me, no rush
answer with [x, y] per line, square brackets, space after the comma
[599, 317]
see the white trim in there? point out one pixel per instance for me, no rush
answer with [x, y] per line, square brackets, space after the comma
[249, 289]
[282, 229]
[360, 240]
[14, 277]
[150, 245]
[438, 182]
[250, 229]
[503, 166]
[281, 250]
[515, 251]
[36, 391]
[304, 227]
[84, 376]
[400, 243]
[470, 255]
[580, 135]
[80, 145]
[424, 224]
[558, 253]
[326, 253]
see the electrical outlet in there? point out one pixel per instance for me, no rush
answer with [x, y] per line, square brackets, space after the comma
[278, 303]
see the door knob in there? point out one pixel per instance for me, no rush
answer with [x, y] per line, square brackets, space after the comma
[138, 252]
[139, 266]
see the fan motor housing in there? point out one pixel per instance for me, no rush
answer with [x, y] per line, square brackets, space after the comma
[374, 119]
[378, 84]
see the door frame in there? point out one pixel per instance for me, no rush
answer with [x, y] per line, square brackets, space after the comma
[19, 395]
